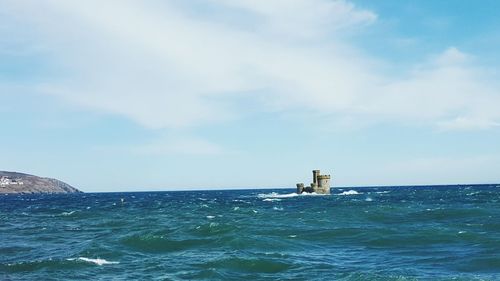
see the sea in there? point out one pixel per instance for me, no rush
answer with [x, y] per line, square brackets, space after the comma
[362, 233]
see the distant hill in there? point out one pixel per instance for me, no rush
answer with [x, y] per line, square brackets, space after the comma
[13, 182]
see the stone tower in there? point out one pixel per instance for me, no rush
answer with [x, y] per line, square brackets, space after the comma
[300, 188]
[323, 184]
[320, 184]
[315, 176]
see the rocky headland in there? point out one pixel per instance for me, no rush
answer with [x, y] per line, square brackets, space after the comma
[19, 183]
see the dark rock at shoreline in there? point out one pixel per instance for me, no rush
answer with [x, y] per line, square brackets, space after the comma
[19, 183]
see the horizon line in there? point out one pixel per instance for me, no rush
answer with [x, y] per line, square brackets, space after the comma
[268, 188]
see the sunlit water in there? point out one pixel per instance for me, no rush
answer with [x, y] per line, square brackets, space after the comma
[389, 233]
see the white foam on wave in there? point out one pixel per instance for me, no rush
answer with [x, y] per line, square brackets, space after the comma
[210, 217]
[350, 192]
[271, 199]
[274, 195]
[67, 213]
[473, 193]
[95, 261]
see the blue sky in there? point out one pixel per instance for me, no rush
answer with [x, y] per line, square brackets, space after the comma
[162, 95]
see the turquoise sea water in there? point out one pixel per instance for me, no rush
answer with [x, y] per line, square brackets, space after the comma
[385, 233]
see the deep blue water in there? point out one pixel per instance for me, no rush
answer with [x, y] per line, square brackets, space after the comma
[385, 233]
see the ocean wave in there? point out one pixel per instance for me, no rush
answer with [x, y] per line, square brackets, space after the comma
[350, 192]
[472, 193]
[274, 195]
[271, 199]
[95, 261]
[67, 213]
[158, 243]
[50, 264]
[249, 265]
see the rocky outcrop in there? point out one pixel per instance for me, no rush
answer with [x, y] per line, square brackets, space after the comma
[12, 182]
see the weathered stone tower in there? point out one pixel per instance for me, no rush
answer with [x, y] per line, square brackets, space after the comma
[315, 176]
[300, 188]
[323, 184]
[320, 184]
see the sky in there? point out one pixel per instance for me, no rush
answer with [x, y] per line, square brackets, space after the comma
[213, 94]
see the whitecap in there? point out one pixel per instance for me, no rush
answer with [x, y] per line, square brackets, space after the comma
[368, 199]
[236, 208]
[462, 232]
[67, 213]
[277, 208]
[274, 195]
[271, 199]
[350, 192]
[95, 261]
[210, 217]
[472, 193]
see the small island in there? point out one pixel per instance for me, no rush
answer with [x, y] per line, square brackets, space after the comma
[19, 183]
[320, 184]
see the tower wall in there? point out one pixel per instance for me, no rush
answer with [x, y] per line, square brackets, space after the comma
[324, 184]
[300, 188]
[315, 176]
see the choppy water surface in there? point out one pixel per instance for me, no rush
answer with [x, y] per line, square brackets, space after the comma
[389, 233]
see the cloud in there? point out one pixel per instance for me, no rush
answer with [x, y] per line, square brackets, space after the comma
[168, 64]
[439, 170]
[301, 19]
[465, 123]
[178, 146]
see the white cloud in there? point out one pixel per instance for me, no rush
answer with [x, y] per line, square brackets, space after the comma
[465, 123]
[302, 19]
[440, 170]
[178, 146]
[164, 66]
